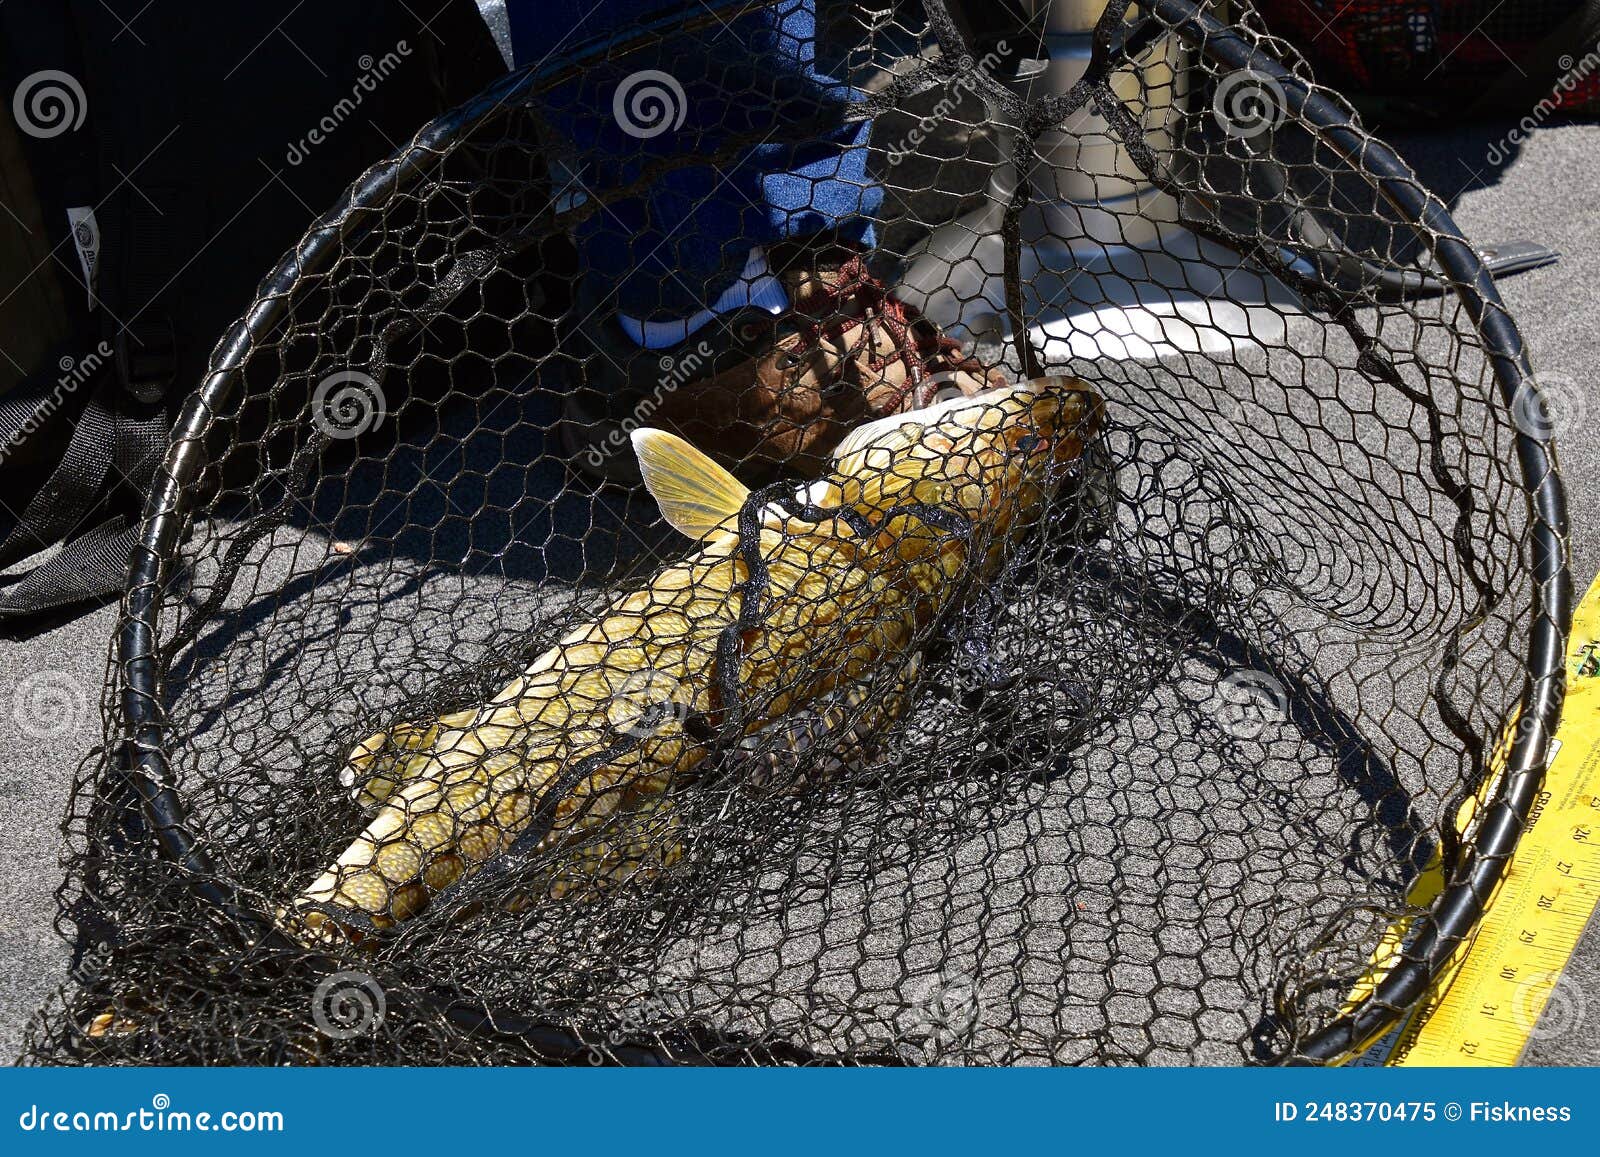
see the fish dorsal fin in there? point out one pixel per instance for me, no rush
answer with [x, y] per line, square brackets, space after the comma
[695, 494]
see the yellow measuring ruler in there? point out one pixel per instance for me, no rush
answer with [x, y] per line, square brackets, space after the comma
[1489, 1006]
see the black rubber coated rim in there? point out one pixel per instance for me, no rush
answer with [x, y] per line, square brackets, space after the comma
[1456, 912]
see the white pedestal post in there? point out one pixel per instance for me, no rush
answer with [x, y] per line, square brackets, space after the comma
[1106, 269]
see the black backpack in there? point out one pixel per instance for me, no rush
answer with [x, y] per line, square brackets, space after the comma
[156, 160]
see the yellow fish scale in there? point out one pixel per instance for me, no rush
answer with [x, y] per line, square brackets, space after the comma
[835, 604]
[472, 787]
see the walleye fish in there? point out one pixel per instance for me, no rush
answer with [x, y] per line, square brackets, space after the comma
[792, 600]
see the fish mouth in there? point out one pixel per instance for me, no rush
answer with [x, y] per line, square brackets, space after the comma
[1064, 416]
[1046, 423]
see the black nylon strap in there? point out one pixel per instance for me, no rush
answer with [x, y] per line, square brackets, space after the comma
[114, 441]
[91, 566]
[117, 439]
[165, 172]
[34, 400]
[59, 506]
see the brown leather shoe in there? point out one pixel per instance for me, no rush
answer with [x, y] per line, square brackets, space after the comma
[771, 394]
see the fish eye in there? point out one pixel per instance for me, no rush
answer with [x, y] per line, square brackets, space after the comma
[1028, 443]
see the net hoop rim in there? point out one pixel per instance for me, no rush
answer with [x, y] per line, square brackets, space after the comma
[143, 762]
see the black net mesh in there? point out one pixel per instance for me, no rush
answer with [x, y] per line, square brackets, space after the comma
[1105, 721]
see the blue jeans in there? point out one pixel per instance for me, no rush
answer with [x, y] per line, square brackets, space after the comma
[797, 166]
